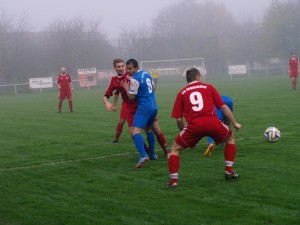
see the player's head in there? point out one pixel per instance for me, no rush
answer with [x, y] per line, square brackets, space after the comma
[192, 74]
[119, 66]
[293, 54]
[63, 70]
[132, 66]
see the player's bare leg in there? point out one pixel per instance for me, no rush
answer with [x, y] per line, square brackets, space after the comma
[294, 82]
[60, 105]
[70, 104]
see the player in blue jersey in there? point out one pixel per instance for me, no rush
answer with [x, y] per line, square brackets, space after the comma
[141, 89]
[229, 102]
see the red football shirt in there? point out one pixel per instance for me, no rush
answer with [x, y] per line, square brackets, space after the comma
[197, 99]
[293, 64]
[115, 87]
[63, 80]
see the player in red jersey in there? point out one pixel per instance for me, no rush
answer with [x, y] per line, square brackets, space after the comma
[293, 69]
[196, 102]
[64, 83]
[128, 108]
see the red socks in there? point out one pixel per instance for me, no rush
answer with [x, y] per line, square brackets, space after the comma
[118, 131]
[229, 154]
[161, 140]
[71, 105]
[174, 164]
[294, 82]
[59, 105]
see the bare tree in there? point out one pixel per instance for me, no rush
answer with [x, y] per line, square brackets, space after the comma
[14, 48]
[136, 42]
[190, 29]
[77, 43]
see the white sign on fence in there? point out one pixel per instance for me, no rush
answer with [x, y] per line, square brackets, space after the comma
[87, 71]
[38, 83]
[237, 69]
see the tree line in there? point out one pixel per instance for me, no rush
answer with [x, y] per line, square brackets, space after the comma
[185, 29]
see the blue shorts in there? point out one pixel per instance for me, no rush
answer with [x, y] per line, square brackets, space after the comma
[144, 119]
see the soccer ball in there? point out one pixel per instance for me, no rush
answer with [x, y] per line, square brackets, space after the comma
[272, 134]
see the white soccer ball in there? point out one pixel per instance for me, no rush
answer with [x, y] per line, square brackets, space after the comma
[272, 134]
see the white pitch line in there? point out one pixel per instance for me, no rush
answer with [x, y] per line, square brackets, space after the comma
[94, 158]
[62, 162]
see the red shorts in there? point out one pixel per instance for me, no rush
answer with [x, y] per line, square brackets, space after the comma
[65, 94]
[195, 130]
[294, 73]
[127, 112]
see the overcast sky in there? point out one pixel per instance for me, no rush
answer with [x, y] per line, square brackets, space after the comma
[113, 13]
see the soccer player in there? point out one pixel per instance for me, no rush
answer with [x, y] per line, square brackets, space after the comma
[196, 102]
[129, 107]
[229, 102]
[155, 75]
[141, 88]
[293, 69]
[64, 83]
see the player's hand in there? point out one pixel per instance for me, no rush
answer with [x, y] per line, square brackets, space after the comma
[125, 85]
[114, 108]
[109, 107]
[237, 126]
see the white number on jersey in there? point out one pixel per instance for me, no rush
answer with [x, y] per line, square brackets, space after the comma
[196, 100]
[149, 83]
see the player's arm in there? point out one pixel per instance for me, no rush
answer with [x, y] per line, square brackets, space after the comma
[116, 97]
[71, 85]
[108, 105]
[180, 123]
[57, 83]
[229, 115]
[154, 87]
[131, 89]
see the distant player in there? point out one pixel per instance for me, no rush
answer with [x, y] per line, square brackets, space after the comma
[155, 75]
[64, 83]
[196, 103]
[141, 88]
[229, 102]
[129, 107]
[293, 69]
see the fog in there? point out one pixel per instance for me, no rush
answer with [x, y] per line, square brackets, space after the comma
[114, 14]
[38, 37]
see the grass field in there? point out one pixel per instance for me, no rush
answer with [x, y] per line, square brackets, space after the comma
[63, 169]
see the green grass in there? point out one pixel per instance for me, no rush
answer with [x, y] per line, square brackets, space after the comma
[63, 169]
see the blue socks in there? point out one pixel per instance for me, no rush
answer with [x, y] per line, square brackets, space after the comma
[151, 142]
[139, 144]
[210, 140]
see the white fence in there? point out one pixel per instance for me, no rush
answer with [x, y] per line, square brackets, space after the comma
[25, 88]
[251, 73]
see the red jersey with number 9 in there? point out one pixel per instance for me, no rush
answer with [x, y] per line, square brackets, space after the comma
[196, 100]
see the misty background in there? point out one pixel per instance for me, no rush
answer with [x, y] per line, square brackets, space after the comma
[39, 37]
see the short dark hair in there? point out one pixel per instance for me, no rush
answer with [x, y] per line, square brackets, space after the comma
[191, 74]
[133, 62]
[117, 60]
